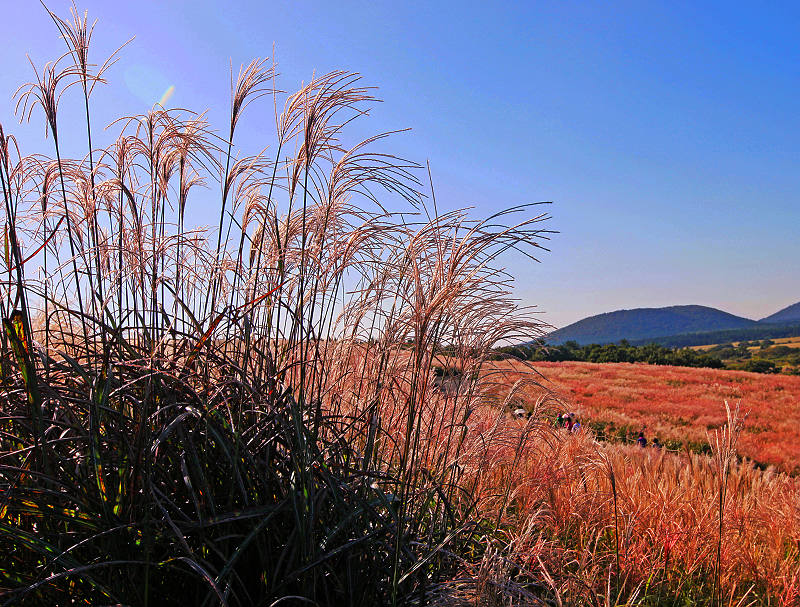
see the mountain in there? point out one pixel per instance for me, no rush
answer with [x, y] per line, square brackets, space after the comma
[789, 314]
[646, 323]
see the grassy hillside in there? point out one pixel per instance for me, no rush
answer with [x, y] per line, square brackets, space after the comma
[680, 405]
[647, 324]
[789, 314]
[765, 356]
[758, 331]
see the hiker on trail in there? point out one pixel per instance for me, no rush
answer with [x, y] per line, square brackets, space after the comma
[570, 423]
[656, 444]
[576, 427]
[641, 441]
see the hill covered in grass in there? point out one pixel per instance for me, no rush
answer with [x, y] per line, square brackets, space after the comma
[759, 331]
[789, 314]
[647, 323]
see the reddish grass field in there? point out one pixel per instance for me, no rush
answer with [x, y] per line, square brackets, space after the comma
[683, 404]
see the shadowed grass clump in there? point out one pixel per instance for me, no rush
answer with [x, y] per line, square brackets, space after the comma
[245, 415]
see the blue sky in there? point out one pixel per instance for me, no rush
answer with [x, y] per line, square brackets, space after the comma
[664, 133]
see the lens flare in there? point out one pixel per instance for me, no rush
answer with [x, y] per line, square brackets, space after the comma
[166, 96]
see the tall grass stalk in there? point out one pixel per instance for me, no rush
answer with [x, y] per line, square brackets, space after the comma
[723, 448]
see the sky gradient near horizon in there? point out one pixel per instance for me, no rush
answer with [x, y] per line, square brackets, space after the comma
[665, 134]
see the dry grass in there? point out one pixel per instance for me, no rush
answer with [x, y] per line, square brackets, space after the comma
[563, 518]
[299, 402]
[681, 404]
[241, 414]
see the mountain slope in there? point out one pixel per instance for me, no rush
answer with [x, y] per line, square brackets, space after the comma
[787, 315]
[644, 323]
[755, 332]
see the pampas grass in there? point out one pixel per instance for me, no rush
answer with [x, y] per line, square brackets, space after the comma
[245, 414]
[302, 404]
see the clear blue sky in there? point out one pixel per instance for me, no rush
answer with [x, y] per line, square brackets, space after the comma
[665, 133]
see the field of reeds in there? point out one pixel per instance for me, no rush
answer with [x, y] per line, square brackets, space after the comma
[680, 405]
[298, 405]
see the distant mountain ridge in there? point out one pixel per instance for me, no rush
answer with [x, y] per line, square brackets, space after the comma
[651, 323]
[789, 314]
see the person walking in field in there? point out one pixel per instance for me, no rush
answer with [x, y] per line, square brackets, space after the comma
[656, 444]
[576, 427]
[641, 441]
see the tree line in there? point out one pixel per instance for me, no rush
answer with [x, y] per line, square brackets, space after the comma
[768, 358]
[622, 352]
